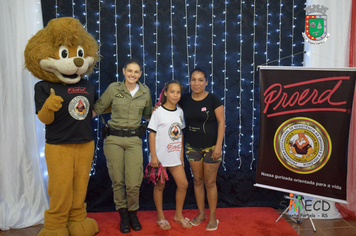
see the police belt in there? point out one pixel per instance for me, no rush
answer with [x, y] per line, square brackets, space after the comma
[123, 132]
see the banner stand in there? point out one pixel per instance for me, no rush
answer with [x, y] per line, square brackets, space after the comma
[300, 143]
[298, 201]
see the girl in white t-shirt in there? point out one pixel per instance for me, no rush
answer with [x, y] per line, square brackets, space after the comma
[166, 142]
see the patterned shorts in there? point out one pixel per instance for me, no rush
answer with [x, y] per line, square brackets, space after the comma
[200, 154]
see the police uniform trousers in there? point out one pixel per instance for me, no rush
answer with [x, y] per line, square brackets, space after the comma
[124, 161]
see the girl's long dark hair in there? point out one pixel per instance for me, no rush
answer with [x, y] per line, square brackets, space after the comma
[162, 98]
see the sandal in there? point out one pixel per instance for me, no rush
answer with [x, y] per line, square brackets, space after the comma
[213, 226]
[164, 224]
[196, 221]
[185, 223]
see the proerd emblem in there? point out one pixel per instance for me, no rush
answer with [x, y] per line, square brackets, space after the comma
[302, 145]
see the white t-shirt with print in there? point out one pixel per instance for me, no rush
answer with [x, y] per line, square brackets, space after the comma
[168, 125]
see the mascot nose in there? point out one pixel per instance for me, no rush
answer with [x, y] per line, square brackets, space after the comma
[78, 61]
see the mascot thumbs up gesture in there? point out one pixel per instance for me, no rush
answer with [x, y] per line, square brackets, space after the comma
[60, 55]
[53, 103]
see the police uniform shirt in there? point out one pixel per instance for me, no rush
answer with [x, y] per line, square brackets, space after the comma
[126, 111]
[72, 122]
[202, 130]
[168, 126]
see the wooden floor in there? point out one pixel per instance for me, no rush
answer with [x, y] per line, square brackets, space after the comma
[327, 227]
[324, 227]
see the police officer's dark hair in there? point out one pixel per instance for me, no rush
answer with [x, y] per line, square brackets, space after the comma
[199, 69]
[130, 61]
[163, 97]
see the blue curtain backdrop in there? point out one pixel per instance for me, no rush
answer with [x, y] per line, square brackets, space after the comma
[229, 38]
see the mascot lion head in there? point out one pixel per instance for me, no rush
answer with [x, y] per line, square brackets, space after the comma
[62, 52]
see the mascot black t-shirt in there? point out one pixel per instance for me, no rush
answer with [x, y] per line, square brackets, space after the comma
[72, 123]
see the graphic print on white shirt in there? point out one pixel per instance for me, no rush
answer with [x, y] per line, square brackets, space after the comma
[168, 126]
[175, 133]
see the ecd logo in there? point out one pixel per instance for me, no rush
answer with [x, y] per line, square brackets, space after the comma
[296, 204]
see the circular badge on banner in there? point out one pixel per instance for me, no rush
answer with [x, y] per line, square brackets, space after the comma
[302, 145]
[79, 107]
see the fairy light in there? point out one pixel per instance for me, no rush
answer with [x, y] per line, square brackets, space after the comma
[86, 15]
[225, 81]
[267, 33]
[212, 46]
[56, 7]
[73, 6]
[292, 36]
[98, 81]
[196, 33]
[143, 42]
[156, 55]
[145, 142]
[97, 129]
[130, 35]
[116, 45]
[280, 33]
[187, 41]
[171, 26]
[253, 87]
[239, 159]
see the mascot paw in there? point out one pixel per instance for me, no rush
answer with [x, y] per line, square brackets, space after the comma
[53, 232]
[54, 102]
[87, 227]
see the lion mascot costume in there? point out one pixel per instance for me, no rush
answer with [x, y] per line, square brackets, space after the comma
[60, 55]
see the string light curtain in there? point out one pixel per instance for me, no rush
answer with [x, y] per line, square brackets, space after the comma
[230, 39]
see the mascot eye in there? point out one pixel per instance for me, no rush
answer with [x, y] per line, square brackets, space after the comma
[63, 52]
[80, 51]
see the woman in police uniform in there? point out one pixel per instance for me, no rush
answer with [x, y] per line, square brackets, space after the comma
[130, 101]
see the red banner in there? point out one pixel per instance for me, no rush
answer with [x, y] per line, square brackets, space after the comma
[305, 118]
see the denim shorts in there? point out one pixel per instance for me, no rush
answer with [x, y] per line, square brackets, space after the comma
[200, 154]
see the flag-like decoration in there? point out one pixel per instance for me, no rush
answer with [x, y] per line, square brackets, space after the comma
[315, 24]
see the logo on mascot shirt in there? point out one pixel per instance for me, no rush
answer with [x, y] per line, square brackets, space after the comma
[79, 107]
[302, 145]
[77, 90]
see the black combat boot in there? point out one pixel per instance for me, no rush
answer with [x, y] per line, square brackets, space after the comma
[124, 223]
[134, 223]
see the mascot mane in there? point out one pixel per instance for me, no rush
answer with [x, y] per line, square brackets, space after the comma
[45, 44]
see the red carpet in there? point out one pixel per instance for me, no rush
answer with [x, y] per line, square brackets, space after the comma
[244, 221]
